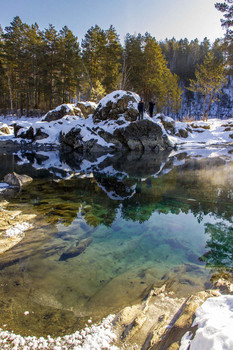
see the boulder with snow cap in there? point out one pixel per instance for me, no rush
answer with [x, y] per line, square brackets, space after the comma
[168, 123]
[116, 104]
[173, 127]
[86, 108]
[61, 111]
[140, 136]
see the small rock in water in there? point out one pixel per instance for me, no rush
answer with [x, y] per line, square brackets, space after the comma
[76, 250]
[17, 180]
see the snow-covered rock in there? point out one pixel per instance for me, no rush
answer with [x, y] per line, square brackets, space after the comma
[61, 111]
[173, 127]
[86, 108]
[4, 129]
[116, 104]
[144, 135]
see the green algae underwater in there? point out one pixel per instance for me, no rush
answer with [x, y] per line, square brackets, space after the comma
[103, 238]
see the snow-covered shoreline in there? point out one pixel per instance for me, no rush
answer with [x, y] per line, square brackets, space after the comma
[205, 134]
[92, 337]
[211, 329]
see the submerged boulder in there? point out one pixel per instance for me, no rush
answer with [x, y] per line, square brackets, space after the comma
[116, 104]
[76, 250]
[61, 111]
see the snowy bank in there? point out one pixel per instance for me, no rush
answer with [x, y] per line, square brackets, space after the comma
[214, 320]
[95, 337]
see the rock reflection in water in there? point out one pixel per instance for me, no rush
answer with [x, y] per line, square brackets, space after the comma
[115, 226]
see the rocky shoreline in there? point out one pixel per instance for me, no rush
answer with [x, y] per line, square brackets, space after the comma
[13, 226]
[161, 320]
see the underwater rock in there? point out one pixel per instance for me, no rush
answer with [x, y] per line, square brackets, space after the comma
[76, 250]
[17, 180]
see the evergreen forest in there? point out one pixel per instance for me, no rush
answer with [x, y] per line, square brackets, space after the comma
[41, 69]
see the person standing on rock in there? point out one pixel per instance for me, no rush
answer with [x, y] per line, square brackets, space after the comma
[151, 108]
[140, 109]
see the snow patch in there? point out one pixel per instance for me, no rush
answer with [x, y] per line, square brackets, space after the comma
[17, 230]
[116, 95]
[214, 320]
[95, 337]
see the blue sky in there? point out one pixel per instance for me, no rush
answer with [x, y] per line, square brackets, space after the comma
[161, 18]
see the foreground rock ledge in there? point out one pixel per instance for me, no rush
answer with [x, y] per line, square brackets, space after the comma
[161, 320]
[13, 225]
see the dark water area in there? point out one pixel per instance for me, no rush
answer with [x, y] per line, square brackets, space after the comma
[110, 228]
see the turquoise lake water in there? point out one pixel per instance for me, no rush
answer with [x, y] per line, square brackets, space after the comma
[106, 234]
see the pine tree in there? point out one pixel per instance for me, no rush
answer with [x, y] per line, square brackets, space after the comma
[3, 77]
[112, 55]
[210, 77]
[50, 66]
[227, 9]
[154, 66]
[93, 46]
[14, 54]
[133, 61]
[69, 65]
[158, 82]
[97, 92]
[30, 69]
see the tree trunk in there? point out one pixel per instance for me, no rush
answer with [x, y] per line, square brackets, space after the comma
[210, 101]
[10, 91]
[27, 107]
[204, 107]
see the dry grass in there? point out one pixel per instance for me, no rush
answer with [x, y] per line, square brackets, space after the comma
[188, 118]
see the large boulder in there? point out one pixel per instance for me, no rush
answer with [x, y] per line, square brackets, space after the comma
[86, 108]
[143, 135]
[140, 136]
[61, 111]
[116, 104]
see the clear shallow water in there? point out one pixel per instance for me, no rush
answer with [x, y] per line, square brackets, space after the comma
[105, 235]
